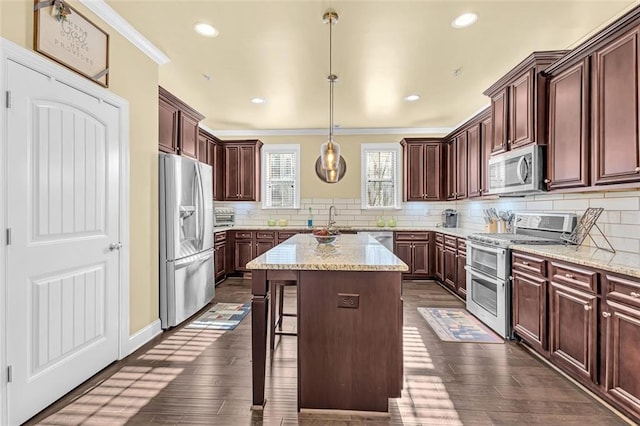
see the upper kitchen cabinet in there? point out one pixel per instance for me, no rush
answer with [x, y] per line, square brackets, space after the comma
[242, 170]
[178, 125]
[423, 176]
[616, 138]
[518, 103]
[568, 144]
[457, 167]
[210, 152]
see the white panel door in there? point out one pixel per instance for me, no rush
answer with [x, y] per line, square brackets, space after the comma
[63, 183]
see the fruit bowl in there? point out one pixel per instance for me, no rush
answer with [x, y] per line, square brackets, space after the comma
[325, 236]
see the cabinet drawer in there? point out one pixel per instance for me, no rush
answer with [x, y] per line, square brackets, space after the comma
[450, 241]
[622, 289]
[583, 279]
[243, 235]
[284, 235]
[462, 245]
[219, 236]
[439, 238]
[529, 264]
[412, 236]
[265, 235]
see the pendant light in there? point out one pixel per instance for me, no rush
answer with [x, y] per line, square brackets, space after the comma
[330, 150]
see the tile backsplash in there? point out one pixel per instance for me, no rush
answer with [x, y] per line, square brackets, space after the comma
[620, 221]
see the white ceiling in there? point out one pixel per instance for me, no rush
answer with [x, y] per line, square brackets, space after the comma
[383, 51]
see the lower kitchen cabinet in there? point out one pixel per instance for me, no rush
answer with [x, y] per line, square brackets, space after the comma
[439, 261]
[220, 256]
[529, 300]
[450, 264]
[461, 273]
[416, 250]
[249, 245]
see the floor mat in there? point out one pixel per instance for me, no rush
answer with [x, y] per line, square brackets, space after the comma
[222, 316]
[458, 325]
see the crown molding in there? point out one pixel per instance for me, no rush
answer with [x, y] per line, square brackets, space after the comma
[440, 131]
[117, 22]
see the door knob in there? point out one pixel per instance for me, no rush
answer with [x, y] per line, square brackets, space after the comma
[115, 246]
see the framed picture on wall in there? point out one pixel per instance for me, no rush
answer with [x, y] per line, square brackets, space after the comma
[66, 36]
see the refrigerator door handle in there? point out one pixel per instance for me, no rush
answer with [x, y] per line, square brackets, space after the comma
[200, 207]
[200, 257]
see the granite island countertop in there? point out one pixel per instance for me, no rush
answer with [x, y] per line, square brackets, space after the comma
[349, 252]
[621, 262]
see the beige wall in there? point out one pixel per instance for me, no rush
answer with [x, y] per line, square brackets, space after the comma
[134, 77]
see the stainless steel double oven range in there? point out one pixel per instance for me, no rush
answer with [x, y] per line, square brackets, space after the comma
[489, 264]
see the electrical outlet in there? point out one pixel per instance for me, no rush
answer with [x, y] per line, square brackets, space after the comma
[348, 300]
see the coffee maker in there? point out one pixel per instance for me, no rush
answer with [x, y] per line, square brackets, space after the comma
[449, 218]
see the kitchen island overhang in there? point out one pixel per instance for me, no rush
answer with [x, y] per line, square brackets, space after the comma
[349, 321]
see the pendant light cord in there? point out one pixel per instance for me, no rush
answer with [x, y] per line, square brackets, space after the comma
[331, 78]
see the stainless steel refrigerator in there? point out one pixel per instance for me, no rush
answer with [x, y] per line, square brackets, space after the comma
[187, 281]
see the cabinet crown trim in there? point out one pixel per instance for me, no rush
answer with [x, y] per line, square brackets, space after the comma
[169, 97]
[537, 59]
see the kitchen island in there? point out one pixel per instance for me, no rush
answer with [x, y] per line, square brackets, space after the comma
[349, 321]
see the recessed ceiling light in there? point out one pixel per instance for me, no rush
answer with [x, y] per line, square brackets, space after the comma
[464, 20]
[411, 98]
[258, 100]
[205, 30]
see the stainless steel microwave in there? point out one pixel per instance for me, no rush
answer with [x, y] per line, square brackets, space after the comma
[518, 172]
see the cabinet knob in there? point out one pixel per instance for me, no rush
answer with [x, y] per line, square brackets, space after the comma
[587, 307]
[525, 263]
[634, 294]
[508, 141]
[570, 276]
[606, 314]
[547, 181]
[637, 169]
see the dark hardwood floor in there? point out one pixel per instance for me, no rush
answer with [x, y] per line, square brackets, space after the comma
[195, 376]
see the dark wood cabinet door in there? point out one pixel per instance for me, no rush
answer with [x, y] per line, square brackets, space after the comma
[433, 172]
[616, 138]
[220, 260]
[403, 249]
[248, 169]
[450, 268]
[416, 169]
[521, 111]
[475, 158]
[451, 170]
[572, 334]
[244, 253]
[168, 126]
[568, 149]
[461, 166]
[232, 172]
[263, 246]
[486, 127]
[218, 170]
[439, 263]
[421, 258]
[622, 377]
[529, 309]
[499, 118]
[203, 149]
[461, 275]
[188, 136]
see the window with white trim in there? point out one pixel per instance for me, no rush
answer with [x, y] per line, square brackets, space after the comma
[381, 176]
[280, 176]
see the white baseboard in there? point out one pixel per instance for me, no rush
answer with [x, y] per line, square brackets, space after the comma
[143, 336]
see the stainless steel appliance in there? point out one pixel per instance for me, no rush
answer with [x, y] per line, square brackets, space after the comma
[224, 216]
[518, 172]
[489, 264]
[449, 218]
[383, 237]
[186, 238]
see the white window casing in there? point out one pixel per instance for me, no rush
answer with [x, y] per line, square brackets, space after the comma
[381, 176]
[280, 180]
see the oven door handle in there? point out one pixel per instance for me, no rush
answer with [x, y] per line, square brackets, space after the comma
[486, 277]
[495, 250]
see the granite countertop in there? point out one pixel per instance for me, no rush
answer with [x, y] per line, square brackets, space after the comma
[621, 262]
[347, 253]
[456, 232]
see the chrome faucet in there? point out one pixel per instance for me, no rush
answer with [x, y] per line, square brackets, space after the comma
[331, 221]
